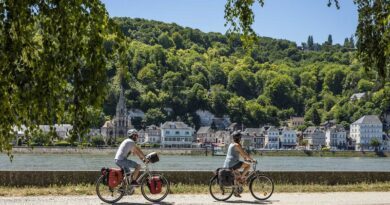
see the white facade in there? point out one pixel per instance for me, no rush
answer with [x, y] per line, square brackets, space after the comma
[153, 134]
[288, 138]
[366, 129]
[176, 135]
[315, 137]
[271, 140]
[336, 137]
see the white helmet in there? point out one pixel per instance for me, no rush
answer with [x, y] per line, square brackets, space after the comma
[131, 132]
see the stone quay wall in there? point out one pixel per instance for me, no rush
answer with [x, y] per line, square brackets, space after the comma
[46, 178]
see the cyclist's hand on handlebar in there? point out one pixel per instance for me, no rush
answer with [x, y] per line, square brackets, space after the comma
[145, 160]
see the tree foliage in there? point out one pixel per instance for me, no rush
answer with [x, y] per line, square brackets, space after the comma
[52, 63]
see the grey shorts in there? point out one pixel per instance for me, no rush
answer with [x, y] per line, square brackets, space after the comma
[126, 164]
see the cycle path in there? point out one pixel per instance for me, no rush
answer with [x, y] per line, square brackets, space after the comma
[334, 198]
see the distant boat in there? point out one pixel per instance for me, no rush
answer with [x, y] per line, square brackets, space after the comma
[218, 151]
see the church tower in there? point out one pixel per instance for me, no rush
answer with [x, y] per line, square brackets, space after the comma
[122, 122]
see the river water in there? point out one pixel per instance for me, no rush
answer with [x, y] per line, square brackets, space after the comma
[39, 162]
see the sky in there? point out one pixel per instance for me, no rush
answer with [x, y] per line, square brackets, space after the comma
[293, 20]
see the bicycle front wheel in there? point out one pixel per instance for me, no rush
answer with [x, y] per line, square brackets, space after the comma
[150, 193]
[218, 192]
[261, 187]
[108, 194]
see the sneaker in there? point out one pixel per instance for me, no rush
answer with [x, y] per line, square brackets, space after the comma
[237, 195]
[134, 183]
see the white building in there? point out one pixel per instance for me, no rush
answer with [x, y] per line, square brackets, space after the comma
[62, 130]
[136, 113]
[366, 129]
[357, 96]
[336, 137]
[153, 134]
[288, 138]
[176, 135]
[315, 137]
[271, 140]
[258, 135]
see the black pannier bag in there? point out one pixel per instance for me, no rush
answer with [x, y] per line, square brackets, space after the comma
[105, 171]
[152, 157]
[225, 177]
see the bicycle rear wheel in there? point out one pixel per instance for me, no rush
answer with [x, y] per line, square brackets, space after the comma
[261, 187]
[218, 192]
[107, 194]
[155, 197]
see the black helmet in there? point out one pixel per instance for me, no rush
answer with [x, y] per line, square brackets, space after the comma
[236, 136]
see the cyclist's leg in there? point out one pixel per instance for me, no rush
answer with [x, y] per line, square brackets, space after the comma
[123, 165]
[127, 164]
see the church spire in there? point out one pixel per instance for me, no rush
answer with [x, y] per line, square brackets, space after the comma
[121, 109]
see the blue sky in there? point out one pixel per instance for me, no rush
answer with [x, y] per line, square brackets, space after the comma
[293, 20]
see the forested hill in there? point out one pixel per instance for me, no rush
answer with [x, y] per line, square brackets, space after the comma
[169, 66]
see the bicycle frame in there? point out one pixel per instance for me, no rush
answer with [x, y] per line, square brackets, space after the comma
[139, 179]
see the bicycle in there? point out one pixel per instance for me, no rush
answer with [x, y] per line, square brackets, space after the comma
[260, 186]
[113, 194]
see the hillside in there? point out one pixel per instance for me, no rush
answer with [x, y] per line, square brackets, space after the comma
[169, 66]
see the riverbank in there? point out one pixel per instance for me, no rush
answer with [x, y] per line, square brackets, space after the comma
[89, 189]
[196, 152]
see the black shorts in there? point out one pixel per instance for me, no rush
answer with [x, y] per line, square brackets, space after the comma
[237, 166]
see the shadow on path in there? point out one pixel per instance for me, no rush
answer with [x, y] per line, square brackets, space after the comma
[147, 203]
[252, 202]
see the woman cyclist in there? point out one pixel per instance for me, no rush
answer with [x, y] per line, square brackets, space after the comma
[232, 160]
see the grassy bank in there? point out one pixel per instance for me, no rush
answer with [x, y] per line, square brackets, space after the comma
[193, 189]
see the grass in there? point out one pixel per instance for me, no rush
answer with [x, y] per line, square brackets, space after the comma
[88, 189]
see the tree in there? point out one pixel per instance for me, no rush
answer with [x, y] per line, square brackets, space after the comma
[52, 61]
[373, 29]
[154, 116]
[375, 143]
[373, 35]
[330, 41]
[165, 41]
[310, 43]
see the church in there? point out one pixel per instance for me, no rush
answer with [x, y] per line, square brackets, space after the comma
[118, 126]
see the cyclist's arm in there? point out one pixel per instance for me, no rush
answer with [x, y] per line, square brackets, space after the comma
[242, 152]
[139, 153]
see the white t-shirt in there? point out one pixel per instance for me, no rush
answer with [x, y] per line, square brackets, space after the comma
[125, 149]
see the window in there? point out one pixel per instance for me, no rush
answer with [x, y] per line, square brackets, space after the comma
[167, 132]
[177, 132]
[187, 133]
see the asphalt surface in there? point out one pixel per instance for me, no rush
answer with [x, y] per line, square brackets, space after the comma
[333, 198]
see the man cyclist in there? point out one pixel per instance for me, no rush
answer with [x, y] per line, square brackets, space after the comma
[127, 147]
[232, 160]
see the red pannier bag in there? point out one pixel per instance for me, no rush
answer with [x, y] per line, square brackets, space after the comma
[155, 185]
[115, 176]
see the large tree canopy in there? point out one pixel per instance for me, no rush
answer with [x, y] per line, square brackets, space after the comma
[373, 30]
[51, 63]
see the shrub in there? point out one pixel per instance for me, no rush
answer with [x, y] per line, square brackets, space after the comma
[62, 143]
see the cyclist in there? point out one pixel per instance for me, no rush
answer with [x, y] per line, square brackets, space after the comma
[127, 147]
[232, 160]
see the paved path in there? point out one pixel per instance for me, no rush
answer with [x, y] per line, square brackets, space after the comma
[335, 198]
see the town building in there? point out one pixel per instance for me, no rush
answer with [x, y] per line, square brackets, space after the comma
[295, 122]
[336, 137]
[288, 138]
[315, 137]
[366, 129]
[271, 140]
[357, 96]
[258, 135]
[153, 134]
[205, 136]
[176, 135]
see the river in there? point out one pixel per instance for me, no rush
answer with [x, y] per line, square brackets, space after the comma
[40, 162]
